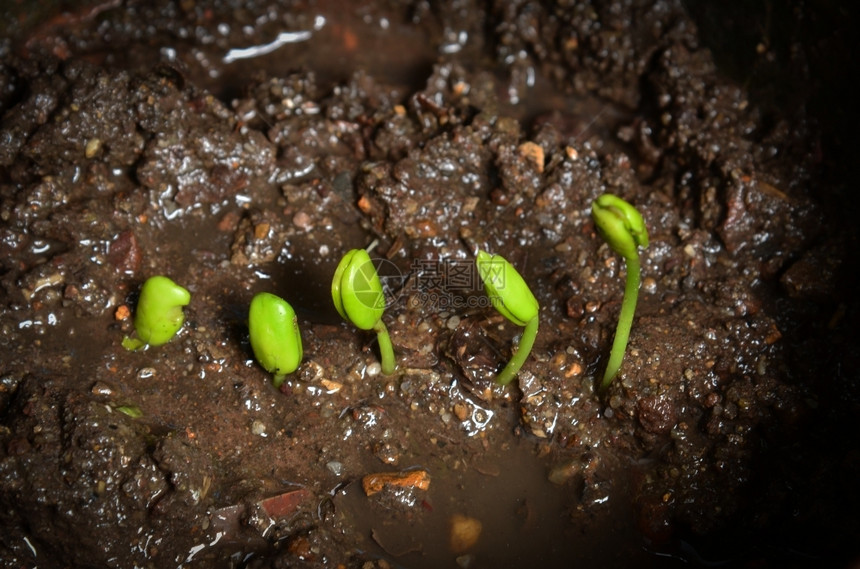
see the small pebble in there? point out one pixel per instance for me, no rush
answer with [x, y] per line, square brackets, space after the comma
[122, 312]
[649, 285]
[261, 230]
[574, 370]
[92, 148]
[453, 322]
[335, 467]
[534, 153]
[103, 389]
[461, 411]
[258, 428]
[146, 372]
[561, 473]
[373, 369]
[465, 532]
[331, 386]
[302, 221]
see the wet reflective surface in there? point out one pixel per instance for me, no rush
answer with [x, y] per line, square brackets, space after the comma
[241, 148]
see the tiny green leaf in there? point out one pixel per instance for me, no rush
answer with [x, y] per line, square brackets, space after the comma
[359, 298]
[159, 313]
[275, 337]
[513, 299]
[132, 411]
[623, 228]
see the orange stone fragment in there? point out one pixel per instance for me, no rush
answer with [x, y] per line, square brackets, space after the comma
[122, 312]
[261, 231]
[374, 483]
[364, 204]
[533, 152]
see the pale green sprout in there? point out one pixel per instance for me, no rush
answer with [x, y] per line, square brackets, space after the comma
[358, 297]
[132, 411]
[159, 313]
[623, 228]
[513, 299]
[275, 338]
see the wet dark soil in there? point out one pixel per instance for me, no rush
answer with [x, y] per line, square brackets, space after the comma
[243, 147]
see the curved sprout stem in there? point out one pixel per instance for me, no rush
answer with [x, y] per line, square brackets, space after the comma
[278, 380]
[625, 321]
[623, 228]
[386, 349]
[519, 356]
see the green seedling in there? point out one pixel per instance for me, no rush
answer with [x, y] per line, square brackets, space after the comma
[159, 313]
[623, 228]
[513, 299]
[358, 297]
[275, 337]
[132, 411]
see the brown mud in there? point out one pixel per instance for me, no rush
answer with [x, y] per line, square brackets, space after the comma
[243, 147]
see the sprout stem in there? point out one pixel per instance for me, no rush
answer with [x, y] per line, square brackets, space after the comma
[625, 321]
[623, 228]
[386, 349]
[519, 356]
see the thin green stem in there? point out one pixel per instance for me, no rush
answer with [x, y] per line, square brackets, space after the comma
[278, 380]
[522, 352]
[625, 321]
[386, 350]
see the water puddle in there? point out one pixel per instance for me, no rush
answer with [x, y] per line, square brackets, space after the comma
[495, 510]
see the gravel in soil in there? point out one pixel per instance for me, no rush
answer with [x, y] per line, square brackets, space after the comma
[244, 148]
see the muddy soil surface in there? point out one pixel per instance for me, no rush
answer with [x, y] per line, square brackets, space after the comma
[240, 148]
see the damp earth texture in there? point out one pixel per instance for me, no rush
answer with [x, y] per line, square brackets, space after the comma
[244, 147]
